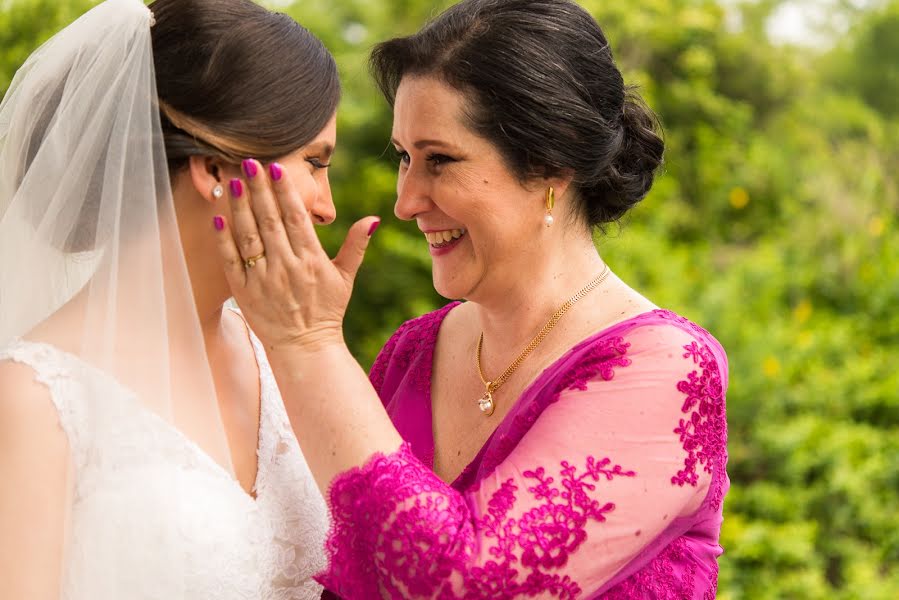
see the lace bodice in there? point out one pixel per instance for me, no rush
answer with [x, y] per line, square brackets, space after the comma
[184, 527]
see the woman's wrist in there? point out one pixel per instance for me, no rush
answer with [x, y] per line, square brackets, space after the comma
[318, 345]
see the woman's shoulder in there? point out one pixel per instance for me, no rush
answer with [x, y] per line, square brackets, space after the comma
[424, 327]
[653, 374]
[419, 331]
[659, 341]
[664, 332]
[657, 330]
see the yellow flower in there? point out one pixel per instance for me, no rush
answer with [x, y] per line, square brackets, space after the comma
[802, 311]
[876, 226]
[771, 367]
[738, 198]
[805, 339]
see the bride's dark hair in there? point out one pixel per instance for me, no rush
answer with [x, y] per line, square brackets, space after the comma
[237, 80]
[234, 80]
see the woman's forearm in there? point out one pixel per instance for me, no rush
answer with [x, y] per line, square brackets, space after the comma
[333, 408]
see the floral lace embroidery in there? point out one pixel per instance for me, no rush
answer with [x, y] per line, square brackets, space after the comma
[697, 433]
[704, 433]
[418, 338]
[288, 496]
[670, 576]
[712, 591]
[672, 316]
[601, 360]
[423, 532]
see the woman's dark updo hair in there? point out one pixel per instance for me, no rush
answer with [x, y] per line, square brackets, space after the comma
[544, 90]
[236, 80]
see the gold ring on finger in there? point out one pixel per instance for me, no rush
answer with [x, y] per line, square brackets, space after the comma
[251, 262]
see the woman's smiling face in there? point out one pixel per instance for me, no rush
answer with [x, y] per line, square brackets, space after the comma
[481, 225]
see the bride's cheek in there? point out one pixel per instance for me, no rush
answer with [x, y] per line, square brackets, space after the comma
[309, 190]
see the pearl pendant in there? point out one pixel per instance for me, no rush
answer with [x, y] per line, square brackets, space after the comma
[485, 403]
[548, 219]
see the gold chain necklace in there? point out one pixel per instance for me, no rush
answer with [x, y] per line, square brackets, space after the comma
[485, 402]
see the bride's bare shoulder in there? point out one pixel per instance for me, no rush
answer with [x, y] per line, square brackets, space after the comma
[17, 378]
[28, 418]
[34, 462]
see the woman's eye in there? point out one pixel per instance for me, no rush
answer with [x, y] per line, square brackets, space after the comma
[439, 159]
[435, 160]
[317, 163]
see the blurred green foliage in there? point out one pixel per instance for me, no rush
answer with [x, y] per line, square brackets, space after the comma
[773, 225]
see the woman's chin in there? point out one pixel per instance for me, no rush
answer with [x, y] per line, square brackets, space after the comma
[449, 286]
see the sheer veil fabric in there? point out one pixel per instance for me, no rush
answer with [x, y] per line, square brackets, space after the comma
[92, 262]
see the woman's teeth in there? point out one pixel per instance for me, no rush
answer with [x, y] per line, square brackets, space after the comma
[441, 237]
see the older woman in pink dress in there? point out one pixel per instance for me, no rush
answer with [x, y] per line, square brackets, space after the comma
[557, 435]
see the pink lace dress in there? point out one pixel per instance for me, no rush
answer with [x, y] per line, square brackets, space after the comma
[605, 480]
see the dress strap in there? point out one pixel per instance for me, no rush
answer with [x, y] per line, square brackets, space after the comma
[48, 363]
[61, 374]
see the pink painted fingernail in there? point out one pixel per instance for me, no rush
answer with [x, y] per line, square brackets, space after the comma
[275, 171]
[373, 228]
[236, 188]
[249, 167]
[219, 223]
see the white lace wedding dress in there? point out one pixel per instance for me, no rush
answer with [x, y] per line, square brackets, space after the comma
[134, 468]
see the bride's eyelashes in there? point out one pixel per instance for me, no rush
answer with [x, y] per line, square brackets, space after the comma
[317, 163]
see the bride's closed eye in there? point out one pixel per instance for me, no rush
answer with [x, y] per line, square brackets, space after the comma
[317, 163]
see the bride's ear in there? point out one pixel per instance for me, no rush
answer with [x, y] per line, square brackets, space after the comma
[207, 176]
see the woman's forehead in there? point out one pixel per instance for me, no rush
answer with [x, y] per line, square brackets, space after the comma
[426, 108]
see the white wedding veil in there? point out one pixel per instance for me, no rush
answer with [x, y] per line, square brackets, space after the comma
[91, 260]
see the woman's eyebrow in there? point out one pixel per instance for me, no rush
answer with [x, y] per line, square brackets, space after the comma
[422, 143]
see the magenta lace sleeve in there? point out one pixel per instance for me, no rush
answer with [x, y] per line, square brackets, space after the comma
[604, 474]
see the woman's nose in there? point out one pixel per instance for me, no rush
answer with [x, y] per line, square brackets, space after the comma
[412, 196]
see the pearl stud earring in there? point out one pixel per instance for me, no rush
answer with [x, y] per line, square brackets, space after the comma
[218, 191]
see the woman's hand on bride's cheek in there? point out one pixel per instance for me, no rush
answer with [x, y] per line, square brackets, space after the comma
[291, 293]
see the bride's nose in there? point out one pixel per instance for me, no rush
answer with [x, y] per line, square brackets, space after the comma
[323, 210]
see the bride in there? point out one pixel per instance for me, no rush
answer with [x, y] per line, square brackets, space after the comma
[144, 448]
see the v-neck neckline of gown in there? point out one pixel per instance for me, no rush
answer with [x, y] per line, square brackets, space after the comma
[538, 378]
[188, 443]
